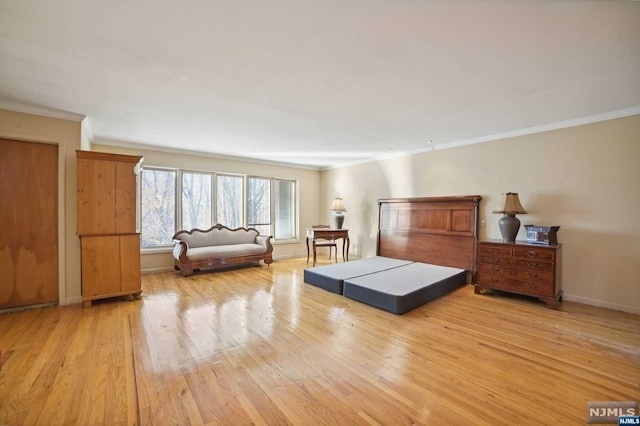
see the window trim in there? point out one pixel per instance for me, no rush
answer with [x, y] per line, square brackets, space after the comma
[175, 201]
[177, 220]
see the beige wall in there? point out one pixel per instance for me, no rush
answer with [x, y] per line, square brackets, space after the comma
[66, 134]
[308, 191]
[583, 178]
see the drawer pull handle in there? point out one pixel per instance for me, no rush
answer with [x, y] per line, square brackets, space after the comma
[532, 264]
[531, 285]
[532, 274]
[495, 269]
[494, 279]
[532, 254]
[495, 260]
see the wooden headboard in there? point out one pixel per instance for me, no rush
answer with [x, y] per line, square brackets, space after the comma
[437, 230]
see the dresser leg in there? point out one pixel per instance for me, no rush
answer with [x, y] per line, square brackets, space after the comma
[553, 303]
[477, 289]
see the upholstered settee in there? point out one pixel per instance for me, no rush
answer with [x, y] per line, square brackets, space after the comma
[219, 246]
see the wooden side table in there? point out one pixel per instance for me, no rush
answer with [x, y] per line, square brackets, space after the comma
[519, 267]
[328, 234]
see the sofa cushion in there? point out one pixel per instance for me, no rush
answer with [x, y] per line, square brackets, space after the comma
[218, 237]
[218, 252]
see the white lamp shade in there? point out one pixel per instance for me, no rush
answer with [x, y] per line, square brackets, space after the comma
[338, 205]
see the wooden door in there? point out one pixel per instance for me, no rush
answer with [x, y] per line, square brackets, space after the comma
[29, 223]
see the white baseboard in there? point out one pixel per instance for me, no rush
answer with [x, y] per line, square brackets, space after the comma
[72, 300]
[155, 270]
[602, 304]
[289, 256]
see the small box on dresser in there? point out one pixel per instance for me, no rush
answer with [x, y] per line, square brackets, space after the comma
[519, 267]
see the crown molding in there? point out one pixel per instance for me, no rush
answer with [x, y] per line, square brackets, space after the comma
[612, 115]
[158, 148]
[86, 126]
[43, 111]
[546, 127]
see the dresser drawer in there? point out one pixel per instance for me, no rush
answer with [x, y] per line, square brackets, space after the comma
[533, 264]
[533, 254]
[494, 251]
[495, 260]
[525, 264]
[523, 274]
[515, 285]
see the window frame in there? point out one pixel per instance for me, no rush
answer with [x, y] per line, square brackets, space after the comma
[179, 182]
[175, 201]
[178, 187]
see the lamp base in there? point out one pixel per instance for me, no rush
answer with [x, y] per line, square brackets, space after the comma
[338, 220]
[509, 226]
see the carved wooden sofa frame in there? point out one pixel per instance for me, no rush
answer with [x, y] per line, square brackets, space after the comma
[219, 246]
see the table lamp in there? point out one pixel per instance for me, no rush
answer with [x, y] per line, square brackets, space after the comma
[337, 207]
[509, 224]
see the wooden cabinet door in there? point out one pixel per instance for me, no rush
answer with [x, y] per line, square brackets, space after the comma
[130, 262]
[125, 208]
[106, 193]
[100, 265]
[96, 196]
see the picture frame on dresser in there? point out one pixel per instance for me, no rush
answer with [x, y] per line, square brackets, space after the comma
[521, 268]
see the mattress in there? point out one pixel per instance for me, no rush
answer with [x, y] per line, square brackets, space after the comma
[401, 289]
[331, 277]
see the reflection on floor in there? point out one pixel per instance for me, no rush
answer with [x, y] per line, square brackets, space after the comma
[257, 345]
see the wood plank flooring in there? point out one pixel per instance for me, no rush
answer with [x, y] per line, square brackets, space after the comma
[258, 346]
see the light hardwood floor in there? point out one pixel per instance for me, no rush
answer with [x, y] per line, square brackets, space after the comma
[258, 346]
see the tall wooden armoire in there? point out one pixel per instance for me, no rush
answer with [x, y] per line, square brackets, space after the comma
[107, 229]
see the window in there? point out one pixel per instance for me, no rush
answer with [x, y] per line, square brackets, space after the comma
[285, 208]
[158, 209]
[264, 203]
[196, 200]
[229, 201]
[259, 204]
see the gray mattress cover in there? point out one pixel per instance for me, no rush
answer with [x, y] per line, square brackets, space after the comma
[402, 289]
[355, 268]
[406, 279]
[331, 277]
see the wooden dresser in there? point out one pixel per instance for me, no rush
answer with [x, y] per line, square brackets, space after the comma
[518, 267]
[110, 242]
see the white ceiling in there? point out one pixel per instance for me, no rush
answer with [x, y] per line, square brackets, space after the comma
[320, 83]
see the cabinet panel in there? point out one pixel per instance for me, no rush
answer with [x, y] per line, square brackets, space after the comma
[96, 196]
[100, 265]
[125, 198]
[106, 193]
[110, 266]
[130, 262]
